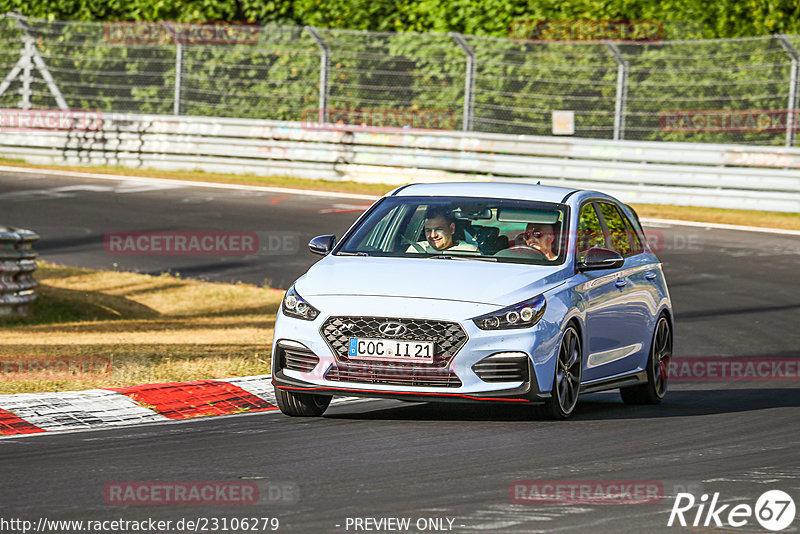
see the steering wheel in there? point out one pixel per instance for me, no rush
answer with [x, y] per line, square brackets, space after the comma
[524, 250]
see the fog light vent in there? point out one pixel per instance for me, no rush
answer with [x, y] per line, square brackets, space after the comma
[296, 357]
[503, 367]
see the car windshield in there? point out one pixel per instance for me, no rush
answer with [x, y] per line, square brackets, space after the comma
[483, 229]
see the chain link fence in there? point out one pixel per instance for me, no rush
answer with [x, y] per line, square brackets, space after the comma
[721, 91]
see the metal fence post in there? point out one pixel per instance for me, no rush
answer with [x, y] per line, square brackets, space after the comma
[30, 58]
[791, 119]
[26, 77]
[622, 91]
[469, 83]
[178, 77]
[324, 68]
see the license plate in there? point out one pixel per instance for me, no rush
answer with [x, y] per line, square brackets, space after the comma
[390, 350]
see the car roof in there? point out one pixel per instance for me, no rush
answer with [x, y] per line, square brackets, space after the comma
[543, 193]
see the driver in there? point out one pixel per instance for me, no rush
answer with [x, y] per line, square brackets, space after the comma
[541, 237]
[440, 229]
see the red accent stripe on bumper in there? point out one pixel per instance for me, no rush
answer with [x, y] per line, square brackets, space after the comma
[11, 424]
[182, 400]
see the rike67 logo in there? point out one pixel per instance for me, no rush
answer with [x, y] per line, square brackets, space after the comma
[774, 510]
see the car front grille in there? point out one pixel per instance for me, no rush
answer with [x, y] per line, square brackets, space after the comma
[448, 338]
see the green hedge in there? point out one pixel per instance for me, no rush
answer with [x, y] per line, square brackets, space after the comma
[722, 18]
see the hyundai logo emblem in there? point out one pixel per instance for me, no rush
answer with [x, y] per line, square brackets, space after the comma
[392, 329]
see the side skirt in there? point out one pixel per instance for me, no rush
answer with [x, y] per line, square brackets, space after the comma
[623, 380]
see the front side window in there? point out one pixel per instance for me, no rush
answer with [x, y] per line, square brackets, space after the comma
[501, 230]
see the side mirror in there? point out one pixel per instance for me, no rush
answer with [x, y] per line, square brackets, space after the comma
[601, 258]
[322, 244]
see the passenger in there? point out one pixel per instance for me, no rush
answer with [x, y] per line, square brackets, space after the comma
[541, 237]
[440, 229]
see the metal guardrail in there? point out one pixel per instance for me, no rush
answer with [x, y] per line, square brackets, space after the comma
[17, 264]
[728, 176]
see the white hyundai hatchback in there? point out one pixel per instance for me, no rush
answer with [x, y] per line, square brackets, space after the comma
[478, 292]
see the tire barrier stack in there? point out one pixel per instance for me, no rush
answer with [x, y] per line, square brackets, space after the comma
[17, 264]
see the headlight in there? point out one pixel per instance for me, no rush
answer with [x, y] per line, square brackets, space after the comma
[522, 315]
[296, 306]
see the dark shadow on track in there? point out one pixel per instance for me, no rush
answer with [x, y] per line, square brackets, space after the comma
[595, 407]
[733, 311]
[86, 243]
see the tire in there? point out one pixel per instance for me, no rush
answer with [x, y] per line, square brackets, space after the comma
[301, 404]
[655, 389]
[567, 379]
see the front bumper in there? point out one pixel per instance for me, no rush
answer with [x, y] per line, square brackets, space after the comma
[316, 367]
[320, 360]
[527, 393]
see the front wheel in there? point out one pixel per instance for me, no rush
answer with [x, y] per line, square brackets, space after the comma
[301, 404]
[567, 381]
[655, 389]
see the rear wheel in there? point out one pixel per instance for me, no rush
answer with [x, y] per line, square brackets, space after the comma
[301, 404]
[567, 382]
[657, 368]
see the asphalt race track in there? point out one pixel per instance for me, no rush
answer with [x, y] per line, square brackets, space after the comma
[735, 294]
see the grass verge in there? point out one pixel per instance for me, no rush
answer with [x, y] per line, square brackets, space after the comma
[766, 219]
[143, 328]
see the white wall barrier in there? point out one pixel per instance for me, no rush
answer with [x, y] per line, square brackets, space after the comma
[693, 174]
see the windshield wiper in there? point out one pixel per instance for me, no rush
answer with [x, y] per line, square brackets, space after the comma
[462, 258]
[359, 253]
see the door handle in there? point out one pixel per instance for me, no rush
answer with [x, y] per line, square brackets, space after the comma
[621, 283]
[650, 276]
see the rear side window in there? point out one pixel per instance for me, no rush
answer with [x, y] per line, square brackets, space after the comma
[620, 239]
[636, 243]
[590, 233]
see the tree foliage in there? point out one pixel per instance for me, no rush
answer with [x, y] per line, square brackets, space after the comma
[722, 18]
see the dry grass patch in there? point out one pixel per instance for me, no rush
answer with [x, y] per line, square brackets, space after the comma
[148, 329]
[767, 219]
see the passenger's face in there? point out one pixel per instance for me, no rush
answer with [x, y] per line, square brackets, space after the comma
[439, 233]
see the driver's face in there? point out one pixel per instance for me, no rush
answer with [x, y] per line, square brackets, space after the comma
[540, 236]
[439, 233]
